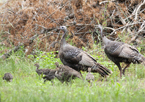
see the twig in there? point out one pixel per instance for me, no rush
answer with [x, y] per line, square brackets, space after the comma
[78, 39]
[137, 10]
[56, 10]
[109, 28]
[121, 19]
[74, 33]
[125, 27]
[106, 1]
[44, 29]
[137, 34]
[52, 45]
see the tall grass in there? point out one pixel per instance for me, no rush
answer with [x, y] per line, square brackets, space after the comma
[27, 86]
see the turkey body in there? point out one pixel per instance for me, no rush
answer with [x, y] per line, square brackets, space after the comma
[71, 56]
[89, 77]
[121, 52]
[8, 77]
[41, 71]
[50, 76]
[79, 59]
[65, 73]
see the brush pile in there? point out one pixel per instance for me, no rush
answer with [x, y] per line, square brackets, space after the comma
[22, 19]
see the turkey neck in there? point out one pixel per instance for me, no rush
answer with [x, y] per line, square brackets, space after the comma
[104, 38]
[37, 67]
[63, 41]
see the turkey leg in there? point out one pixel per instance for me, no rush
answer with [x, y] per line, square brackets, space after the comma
[120, 69]
[125, 68]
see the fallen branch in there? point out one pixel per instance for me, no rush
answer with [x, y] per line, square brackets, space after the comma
[16, 48]
[124, 27]
[137, 34]
[7, 55]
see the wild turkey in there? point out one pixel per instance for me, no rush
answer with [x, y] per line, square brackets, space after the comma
[89, 76]
[41, 71]
[121, 52]
[65, 73]
[50, 76]
[8, 77]
[77, 58]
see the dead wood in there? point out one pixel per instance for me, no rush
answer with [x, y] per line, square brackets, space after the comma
[142, 27]
[16, 48]
[21, 19]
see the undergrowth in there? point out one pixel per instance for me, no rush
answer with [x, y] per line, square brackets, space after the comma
[27, 86]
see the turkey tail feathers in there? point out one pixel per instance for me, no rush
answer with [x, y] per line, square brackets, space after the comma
[103, 71]
[143, 60]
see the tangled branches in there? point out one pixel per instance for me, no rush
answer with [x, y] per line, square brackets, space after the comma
[22, 19]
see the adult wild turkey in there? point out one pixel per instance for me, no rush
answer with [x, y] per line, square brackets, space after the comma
[77, 58]
[121, 52]
[8, 77]
[89, 76]
[65, 73]
[41, 71]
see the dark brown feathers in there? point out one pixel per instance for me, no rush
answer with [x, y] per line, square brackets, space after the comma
[79, 59]
[8, 77]
[65, 73]
[121, 52]
[89, 76]
[50, 76]
[41, 71]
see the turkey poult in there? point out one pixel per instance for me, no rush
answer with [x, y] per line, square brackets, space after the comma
[121, 52]
[49, 73]
[65, 73]
[50, 76]
[77, 58]
[89, 76]
[8, 77]
[41, 71]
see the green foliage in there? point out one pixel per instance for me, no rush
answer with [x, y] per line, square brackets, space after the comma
[27, 86]
[47, 59]
[20, 53]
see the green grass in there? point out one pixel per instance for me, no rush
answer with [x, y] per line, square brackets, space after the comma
[27, 86]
